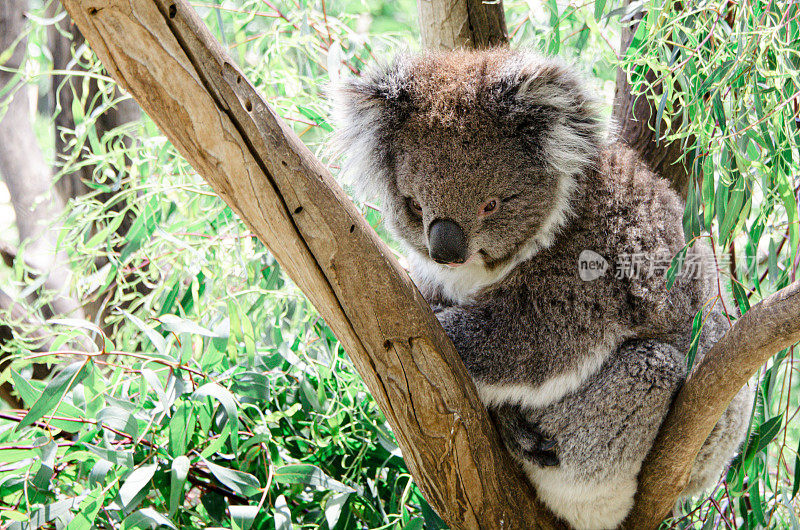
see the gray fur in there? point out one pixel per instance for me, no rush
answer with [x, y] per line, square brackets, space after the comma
[578, 374]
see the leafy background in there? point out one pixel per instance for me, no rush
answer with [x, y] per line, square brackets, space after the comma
[220, 398]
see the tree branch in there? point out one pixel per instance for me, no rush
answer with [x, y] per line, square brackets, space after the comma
[451, 24]
[767, 328]
[166, 58]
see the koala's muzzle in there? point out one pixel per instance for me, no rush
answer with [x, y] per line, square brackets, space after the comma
[447, 242]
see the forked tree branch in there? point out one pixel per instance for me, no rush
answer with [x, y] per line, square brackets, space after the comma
[162, 53]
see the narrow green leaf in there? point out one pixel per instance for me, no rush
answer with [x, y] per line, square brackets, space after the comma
[181, 428]
[138, 479]
[675, 267]
[282, 514]
[99, 472]
[756, 502]
[87, 511]
[119, 419]
[796, 479]
[417, 523]
[155, 337]
[733, 211]
[55, 390]
[554, 42]
[313, 115]
[30, 395]
[47, 460]
[49, 512]
[142, 228]
[719, 112]
[310, 476]
[660, 114]
[147, 518]
[181, 325]
[334, 507]
[764, 435]
[242, 517]
[120, 457]
[697, 328]
[239, 482]
[741, 298]
[599, 6]
[178, 475]
[228, 402]
[772, 262]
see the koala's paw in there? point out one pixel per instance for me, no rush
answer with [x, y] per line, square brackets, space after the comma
[524, 438]
[538, 447]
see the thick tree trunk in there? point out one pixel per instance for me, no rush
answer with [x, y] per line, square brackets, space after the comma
[26, 174]
[162, 54]
[451, 24]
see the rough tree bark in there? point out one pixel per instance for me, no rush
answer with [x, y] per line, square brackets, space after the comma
[163, 55]
[451, 24]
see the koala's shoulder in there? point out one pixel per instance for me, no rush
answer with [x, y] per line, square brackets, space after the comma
[636, 204]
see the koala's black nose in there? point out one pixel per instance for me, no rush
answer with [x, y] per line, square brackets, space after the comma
[447, 242]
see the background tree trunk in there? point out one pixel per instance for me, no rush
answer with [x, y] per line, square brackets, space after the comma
[636, 115]
[67, 85]
[451, 24]
[63, 38]
[26, 173]
[28, 178]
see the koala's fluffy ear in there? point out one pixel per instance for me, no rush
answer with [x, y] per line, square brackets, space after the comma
[550, 105]
[367, 110]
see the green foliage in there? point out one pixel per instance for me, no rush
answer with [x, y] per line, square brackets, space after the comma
[725, 84]
[216, 396]
[189, 428]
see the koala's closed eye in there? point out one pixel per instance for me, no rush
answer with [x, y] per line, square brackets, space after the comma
[414, 206]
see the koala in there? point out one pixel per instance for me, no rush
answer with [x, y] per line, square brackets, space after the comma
[497, 176]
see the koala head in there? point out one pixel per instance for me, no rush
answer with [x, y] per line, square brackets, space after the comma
[475, 154]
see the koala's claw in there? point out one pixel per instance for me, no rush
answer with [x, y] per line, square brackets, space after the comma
[543, 451]
[543, 458]
[547, 444]
[525, 438]
[538, 447]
